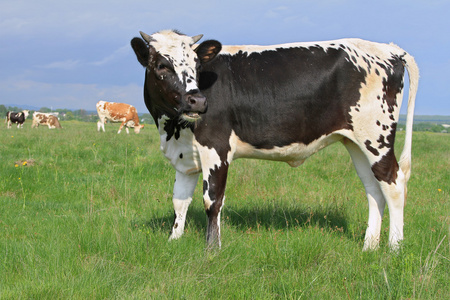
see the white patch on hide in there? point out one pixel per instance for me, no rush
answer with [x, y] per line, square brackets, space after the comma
[189, 162]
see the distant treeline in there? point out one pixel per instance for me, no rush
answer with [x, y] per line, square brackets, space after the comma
[69, 115]
[427, 123]
[421, 122]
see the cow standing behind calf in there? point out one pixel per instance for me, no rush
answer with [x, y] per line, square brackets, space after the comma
[213, 104]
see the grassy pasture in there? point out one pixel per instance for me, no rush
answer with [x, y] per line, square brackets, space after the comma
[86, 215]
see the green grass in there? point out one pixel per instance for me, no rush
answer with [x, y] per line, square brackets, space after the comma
[89, 215]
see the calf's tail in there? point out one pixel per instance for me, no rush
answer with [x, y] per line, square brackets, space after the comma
[413, 73]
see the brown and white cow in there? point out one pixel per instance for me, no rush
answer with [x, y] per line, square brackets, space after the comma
[16, 118]
[50, 120]
[282, 102]
[118, 112]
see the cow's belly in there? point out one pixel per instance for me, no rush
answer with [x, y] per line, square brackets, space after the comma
[116, 120]
[113, 118]
[130, 123]
[294, 154]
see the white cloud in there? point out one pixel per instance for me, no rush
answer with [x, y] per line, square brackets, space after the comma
[13, 86]
[63, 65]
[70, 96]
[121, 52]
[13, 24]
[276, 12]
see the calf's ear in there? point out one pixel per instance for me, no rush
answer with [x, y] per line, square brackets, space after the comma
[207, 50]
[141, 50]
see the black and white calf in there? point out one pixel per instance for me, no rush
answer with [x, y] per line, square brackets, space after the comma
[17, 118]
[213, 104]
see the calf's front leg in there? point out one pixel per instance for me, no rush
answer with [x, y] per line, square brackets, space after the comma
[182, 197]
[214, 183]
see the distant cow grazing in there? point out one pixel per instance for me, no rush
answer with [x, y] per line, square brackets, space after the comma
[118, 112]
[17, 118]
[45, 119]
[282, 102]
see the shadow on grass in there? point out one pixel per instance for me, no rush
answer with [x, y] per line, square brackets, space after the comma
[277, 217]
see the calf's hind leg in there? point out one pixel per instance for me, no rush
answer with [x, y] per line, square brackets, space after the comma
[375, 198]
[394, 193]
[382, 186]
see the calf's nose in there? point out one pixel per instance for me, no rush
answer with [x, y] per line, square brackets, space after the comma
[197, 102]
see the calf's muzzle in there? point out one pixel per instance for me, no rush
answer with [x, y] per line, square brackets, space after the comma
[196, 102]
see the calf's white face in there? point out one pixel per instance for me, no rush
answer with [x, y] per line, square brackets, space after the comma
[180, 57]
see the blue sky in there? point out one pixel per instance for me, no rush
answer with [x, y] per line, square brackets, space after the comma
[71, 54]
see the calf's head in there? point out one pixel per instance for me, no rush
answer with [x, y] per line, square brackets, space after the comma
[172, 63]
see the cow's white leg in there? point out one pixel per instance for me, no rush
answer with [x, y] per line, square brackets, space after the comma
[374, 194]
[394, 193]
[182, 197]
[126, 128]
[121, 126]
[101, 124]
